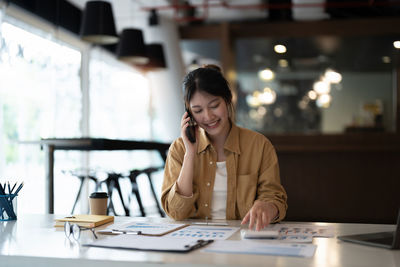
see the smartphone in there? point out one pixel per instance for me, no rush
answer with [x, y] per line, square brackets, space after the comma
[191, 130]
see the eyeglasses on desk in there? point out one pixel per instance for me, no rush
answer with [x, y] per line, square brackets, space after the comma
[75, 230]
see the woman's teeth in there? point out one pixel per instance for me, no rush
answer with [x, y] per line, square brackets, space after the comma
[212, 124]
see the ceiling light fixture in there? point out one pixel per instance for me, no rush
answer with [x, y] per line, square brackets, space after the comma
[268, 96]
[324, 101]
[386, 59]
[396, 44]
[280, 49]
[322, 87]
[312, 95]
[155, 53]
[98, 23]
[153, 18]
[131, 47]
[283, 63]
[333, 76]
[266, 75]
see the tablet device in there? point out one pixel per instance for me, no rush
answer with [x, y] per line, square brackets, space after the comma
[390, 240]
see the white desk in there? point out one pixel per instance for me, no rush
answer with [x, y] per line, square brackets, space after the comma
[33, 241]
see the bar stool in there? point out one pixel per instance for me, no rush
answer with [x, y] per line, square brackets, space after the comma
[112, 182]
[82, 177]
[135, 189]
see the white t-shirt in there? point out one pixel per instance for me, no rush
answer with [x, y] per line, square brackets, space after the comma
[218, 207]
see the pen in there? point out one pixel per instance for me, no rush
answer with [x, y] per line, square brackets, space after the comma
[10, 199]
[199, 243]
[211, 223]
[127, 232]
[18, 189]
[12, 189]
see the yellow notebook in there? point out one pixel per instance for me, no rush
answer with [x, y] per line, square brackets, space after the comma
[85, 220]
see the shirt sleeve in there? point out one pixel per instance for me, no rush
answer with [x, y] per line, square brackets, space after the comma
[174, 204]
[269, 185]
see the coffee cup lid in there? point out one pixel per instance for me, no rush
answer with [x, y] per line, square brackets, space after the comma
[99, 195]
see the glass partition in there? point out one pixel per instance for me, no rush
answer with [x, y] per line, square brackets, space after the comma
[323, 84]
[196, 53]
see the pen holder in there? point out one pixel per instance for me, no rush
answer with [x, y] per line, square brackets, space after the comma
[8, 207]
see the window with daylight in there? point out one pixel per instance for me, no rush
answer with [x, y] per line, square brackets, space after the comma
[43, 94]
[40, 96]
[120, 109]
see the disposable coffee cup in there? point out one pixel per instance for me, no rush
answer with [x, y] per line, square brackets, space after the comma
[98, 203]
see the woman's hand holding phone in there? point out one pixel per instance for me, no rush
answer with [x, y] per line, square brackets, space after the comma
[189, 132]
[185, 180]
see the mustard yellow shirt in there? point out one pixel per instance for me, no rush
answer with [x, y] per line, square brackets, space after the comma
[252, 170]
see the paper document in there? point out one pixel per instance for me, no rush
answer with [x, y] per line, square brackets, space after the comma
[204, 232]
[276, 235]
[151, 243]
[295, 238]
[304, 230]
[296, 233]
[143, 228]
[261, 248]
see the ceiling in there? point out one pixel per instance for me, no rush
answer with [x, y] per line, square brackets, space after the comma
[208, 11]
[364, 53]
[128, 11]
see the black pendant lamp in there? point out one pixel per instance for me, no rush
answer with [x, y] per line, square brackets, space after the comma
[155, 52]
[131, 47]
[98, 23]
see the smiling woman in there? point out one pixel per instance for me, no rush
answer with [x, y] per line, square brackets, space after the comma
[228, 172]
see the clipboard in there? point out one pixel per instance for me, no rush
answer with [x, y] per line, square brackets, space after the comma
[142, 228]
[149, 243]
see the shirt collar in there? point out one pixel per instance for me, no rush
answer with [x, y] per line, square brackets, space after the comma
[231, 143]
[204, 142]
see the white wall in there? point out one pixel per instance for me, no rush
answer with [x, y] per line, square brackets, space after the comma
[166, 84]
[167, 95]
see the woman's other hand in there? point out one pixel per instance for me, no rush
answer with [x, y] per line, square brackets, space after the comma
[260, 215]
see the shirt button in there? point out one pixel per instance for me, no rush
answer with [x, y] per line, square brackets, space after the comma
[206, 205]
[208, 184]
[210, 162]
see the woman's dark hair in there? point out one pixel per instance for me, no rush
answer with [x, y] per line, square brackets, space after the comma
[210, 80]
